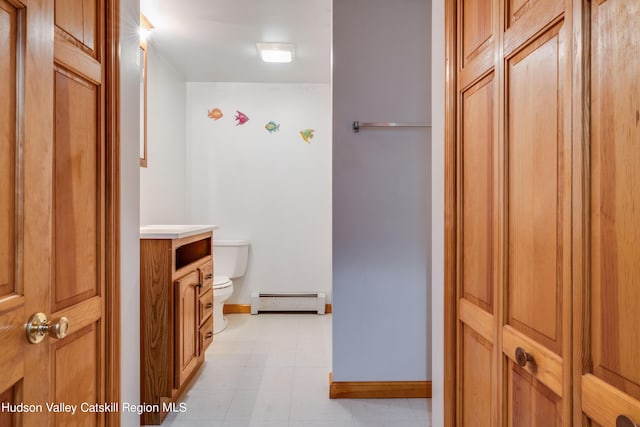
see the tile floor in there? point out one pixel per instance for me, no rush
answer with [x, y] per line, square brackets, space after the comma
[272, 370]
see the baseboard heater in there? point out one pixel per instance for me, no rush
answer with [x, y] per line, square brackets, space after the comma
[288, 301]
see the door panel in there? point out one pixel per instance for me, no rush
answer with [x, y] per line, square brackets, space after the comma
[52, 209]
[530, 402]
[538, 221]
[9, 35]
[477, 194]
[535, 192]
[187, 325]
[477, 387]
[77, 162]
[77, 20]
[611, 386]
[77, 379]
[476, 361]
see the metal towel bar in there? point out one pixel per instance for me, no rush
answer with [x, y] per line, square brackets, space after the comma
[357, 125]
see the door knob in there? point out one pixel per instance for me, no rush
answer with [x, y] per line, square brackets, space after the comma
[522, 357]
[624, 421]
[38, 326]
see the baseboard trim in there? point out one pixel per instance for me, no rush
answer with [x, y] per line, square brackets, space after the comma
[237, 309]
[378, 389]
[246, 309]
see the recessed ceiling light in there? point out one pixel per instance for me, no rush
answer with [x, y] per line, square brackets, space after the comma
[276, 52]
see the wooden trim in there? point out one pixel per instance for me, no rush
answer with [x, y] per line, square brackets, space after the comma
[237, 309]
[246, 309]
[112, 130]
[450, 297]
[378, 389]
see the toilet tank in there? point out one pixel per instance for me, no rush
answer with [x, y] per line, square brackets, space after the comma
[230, 257]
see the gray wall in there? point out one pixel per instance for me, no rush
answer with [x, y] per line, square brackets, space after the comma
[381, 191]
[162, 182]
[437, 207]
[129, 208]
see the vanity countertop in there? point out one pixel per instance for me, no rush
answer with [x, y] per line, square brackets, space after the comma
[173, 231]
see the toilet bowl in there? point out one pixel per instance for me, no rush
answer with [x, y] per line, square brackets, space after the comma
[230, 262]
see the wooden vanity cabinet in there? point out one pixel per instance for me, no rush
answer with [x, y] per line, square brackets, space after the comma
[176, 306]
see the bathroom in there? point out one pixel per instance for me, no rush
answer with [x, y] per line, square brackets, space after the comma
[349, 220]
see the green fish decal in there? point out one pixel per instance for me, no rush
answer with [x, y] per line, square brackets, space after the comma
[307, 135]
[272, 127]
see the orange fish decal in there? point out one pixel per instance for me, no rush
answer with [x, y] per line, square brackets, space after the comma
[215, 114]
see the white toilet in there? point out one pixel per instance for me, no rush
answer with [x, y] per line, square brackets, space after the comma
[229, 262]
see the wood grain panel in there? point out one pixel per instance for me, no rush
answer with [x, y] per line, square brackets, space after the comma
[77, 168]
[205, 306]
[477, 27]
[531, 18]
[537, 12]
[535, 195]
[547, 366]
[77, 20]
[69, 17]
[7, 418]
[13, 341]
[477, 193]
[603, 402]
[75, 364]
[8, 138]
[187, 327]
[615, 194]
[378, 389]
[475, 396]
[530, 402]
[482, 322]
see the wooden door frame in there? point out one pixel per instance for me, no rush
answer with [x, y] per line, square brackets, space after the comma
[112, 177]
[450, 217]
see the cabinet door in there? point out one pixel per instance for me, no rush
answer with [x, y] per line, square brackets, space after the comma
[187, 327]
[610, 379]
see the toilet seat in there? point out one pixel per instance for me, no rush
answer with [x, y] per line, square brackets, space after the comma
[221, 282]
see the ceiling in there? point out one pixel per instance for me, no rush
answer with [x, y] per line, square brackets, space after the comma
[215, 40]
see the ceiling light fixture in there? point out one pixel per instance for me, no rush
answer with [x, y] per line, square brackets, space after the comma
[276, 52]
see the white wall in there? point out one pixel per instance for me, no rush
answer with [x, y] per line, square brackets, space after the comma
[162, 182]
[272, 189]
[129, 209]
[381, 191]
[437, 209]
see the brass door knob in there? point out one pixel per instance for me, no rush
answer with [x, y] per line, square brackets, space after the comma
[624, 421]
[522, 357]
[38, 327]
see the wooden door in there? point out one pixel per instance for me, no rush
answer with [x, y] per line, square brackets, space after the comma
[608, 369]
[187, 327]
[53, 247]
[513, 258]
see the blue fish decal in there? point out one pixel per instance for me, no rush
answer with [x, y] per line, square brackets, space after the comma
[272, 127]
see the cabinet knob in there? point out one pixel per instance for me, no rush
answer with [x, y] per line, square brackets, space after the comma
[198, 285]
[208, 276]
[209, 335]
[522, 357]
[209, 305]
[624, 421]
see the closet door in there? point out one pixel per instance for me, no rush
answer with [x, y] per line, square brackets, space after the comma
[535, 288]
[476, 368]
[610, 380]
[514, 193]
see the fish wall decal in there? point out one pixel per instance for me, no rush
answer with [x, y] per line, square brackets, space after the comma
[307, 135]
[215, 114]
[272, 127]
[241, 118]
